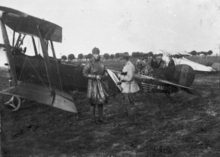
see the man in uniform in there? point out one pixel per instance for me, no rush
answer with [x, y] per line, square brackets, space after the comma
[171, 61]
[147, 70]
[128, 84]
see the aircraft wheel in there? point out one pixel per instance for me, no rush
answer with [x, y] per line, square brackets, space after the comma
[14, 103]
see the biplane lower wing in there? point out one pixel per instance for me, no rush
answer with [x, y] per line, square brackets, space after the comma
[164, 83]
[179, 74]
[150, 84]
[114, 78]
[42, 94]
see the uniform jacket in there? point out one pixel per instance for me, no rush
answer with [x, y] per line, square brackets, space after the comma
[147, 70]
[128, 85]
[96, 91]
[171, 63]
[139, 65]
[154, 64]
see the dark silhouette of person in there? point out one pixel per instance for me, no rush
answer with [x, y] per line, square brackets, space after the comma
[171, 62]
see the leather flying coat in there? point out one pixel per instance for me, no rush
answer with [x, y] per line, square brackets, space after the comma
[96, 91]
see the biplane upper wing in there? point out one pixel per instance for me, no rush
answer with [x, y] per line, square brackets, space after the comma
[182, 60]
[194, 65]
[23, 23]
[180, 53]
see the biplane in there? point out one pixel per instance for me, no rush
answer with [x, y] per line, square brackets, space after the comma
[166, 80]
[44, 79]
[36, 77]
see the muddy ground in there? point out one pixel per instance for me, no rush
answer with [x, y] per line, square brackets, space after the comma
[188, 127]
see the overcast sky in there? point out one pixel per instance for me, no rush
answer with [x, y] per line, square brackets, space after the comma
[129, 25]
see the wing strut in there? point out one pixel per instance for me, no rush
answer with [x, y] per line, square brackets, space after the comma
[13, 39]
[35, 48]
[46, 60]
[58, 70]
[18, 39]
[9, 53]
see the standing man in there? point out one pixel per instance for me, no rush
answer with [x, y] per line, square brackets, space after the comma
[171, 61]
[147, 70]
[154, 63]
[139, 65]
[128, 84]
[96, 93]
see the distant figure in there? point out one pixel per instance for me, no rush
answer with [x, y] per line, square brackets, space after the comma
[139, 65]
[154, 63]
[18, 50]
[171, 62]
[128, 84]
[97, 94]
[168, 60]
[147, 70]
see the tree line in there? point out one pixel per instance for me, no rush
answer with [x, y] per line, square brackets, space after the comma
[195, 53]
[107, 56]
[80, 56]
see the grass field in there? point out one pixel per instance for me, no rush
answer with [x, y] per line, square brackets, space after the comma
[187, 127]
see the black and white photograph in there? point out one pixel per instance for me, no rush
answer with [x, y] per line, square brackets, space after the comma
[110, 78]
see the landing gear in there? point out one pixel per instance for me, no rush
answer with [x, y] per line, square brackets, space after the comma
[14, 103]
